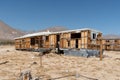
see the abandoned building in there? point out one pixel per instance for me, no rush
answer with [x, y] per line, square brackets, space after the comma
[111, 44]
[70, 39]
[77, 39]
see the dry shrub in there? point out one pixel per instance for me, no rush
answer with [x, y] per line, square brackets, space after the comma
[7, 42]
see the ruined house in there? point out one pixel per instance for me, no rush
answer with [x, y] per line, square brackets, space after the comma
[70, 39]
[79, 38]
[112, 44]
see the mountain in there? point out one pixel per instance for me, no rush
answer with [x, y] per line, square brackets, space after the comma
[111, 36]
[55, 29]
[8, 33]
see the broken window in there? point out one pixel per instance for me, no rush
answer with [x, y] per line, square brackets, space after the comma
[107, 40]
[37, 41]
[47, 38]
[94, 36]
[115, 40]
[22, 40]
[32, 41]
[75, 35]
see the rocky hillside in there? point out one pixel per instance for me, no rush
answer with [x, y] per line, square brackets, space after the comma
[55, 29]
[7, 32]
[111, 36]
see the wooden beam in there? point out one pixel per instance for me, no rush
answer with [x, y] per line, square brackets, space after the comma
[101, 50]
[4, 62]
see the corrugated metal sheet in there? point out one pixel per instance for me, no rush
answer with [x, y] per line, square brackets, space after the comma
[82, 52]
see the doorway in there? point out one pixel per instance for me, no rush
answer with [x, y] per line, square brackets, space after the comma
[76, 42]
[58, 38]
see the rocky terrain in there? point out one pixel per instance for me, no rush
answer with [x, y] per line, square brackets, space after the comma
[55, 29]
[9, 33]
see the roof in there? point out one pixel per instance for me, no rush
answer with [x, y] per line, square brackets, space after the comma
[34, 34]
[47, 33]
[79, 30]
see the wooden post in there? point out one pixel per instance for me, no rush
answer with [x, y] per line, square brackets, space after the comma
[25, 77]
[101, 50]
[41, 60]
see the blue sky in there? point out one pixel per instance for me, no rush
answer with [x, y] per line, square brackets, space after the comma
[103, 15]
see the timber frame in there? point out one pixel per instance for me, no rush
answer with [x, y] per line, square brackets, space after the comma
[70, 39]
[111, 44]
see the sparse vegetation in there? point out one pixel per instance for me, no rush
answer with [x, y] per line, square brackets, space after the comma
[7, 42]
[58, 67]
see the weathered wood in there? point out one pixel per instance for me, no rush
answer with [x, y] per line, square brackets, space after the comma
[111, 44]
[83, 39]
[4, 62]
[101, 50]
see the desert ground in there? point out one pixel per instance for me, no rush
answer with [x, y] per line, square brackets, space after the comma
[58, 67]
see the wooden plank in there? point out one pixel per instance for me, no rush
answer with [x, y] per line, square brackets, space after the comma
[51, 41]
[101, 54]
[86, 34]
[79, 43]
[82, 34]
[85, 40]
[72, 43]
[4, 62]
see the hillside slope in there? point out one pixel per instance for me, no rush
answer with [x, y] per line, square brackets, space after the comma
[7, 32]
[55, 29]
[111, 36]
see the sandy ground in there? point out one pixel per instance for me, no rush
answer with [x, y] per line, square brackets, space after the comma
[58, 67]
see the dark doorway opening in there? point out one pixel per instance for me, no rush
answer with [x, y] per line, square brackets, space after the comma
[57, 41]
[76, 43]
[58, 38]
[75, 35]
[58, 45]
[32, 41]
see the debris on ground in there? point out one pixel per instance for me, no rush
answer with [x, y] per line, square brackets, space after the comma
[4, 62]
[57, 67]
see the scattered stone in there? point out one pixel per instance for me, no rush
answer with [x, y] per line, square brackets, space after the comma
[4, 62]
[7, 50]
[34, 63]
[25, 75]
[117, 58]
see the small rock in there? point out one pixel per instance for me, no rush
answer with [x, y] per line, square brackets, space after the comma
[7, 50]
[34, 63]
